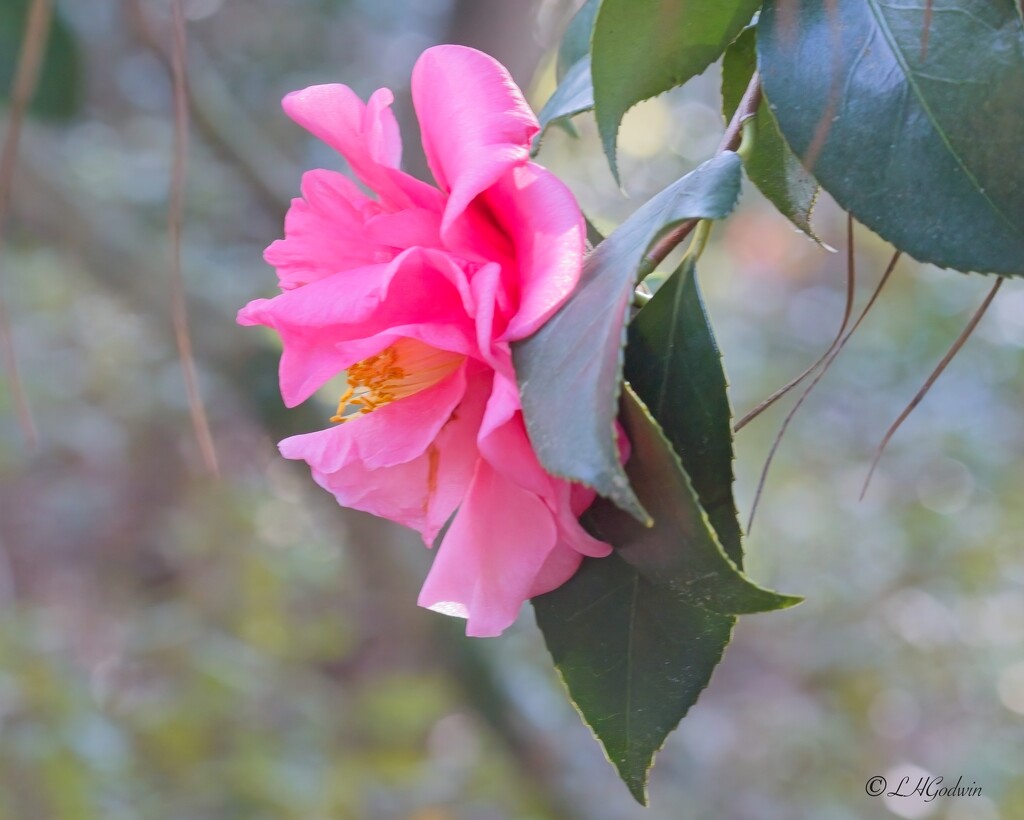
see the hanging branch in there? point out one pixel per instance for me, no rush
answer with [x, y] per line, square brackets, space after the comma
[225, 124]
[26, 78]
[179, 309]
[782, 391]
[814, 383]
[951, 353]
[851, 284]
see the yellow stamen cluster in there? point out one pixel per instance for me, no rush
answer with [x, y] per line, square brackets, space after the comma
[400, 370]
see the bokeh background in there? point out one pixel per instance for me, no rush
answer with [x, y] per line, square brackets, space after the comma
[175, 645]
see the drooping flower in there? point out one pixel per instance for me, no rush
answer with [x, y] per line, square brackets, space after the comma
[416, 294]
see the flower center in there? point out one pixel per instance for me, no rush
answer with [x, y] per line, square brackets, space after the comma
[403, 369]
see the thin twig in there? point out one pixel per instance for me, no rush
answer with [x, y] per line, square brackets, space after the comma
[26, 78]
[179, 309]
[851, 280]
[749, 103]
[957, 345]
[226, 125]
[814, 383]
[730, 142]
[782, 391]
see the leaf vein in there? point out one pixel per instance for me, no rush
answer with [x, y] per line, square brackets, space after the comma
[883, 26]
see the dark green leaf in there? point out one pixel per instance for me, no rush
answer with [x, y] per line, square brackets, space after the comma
[574, 95]
[920, 141]
[641, 48]
[680, 551]
[575, 359]
[575, 91]
[633, 657]
[674, 365]
[630, 644]
[58, 91]
[576, 40]
[771, 166]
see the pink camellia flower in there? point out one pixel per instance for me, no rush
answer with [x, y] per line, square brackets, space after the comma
[415, 295]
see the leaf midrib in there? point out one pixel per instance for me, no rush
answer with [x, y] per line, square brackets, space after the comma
[671, 351]
[883, 27]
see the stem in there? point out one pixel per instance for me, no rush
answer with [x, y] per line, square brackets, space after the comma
[730, 142]
[746, 110]
[814, 383]
[175, 209]
[950, 355]
[26, 77]
[225, 124]
[747, 139]
[640, 298]
[700, 239]
[782, 391]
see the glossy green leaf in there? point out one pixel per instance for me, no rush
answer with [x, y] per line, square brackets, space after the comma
[674, 365]
[771, 165]
[575, 91]
[633, 657]
[574, 95]
[576, 40]
[680, 551]
[58, 91]
[575, 359]
[626, 633]
[920, 139]
[632, 647]
[642, 48]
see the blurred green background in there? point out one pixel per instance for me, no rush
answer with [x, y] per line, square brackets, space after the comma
[178, 646]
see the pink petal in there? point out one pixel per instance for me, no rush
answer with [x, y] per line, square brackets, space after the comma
[324, 231]
[489, 561]
[474, 120]
[411, 228]
[367, 136]
[335, 227]
[571, 533]
[421, 493]
[504, 443]
[392, 434]
[561, 564]
[422, 294]
[490, 315]
[572, 499]
[549, 233]
[311, 320]
[502, 408]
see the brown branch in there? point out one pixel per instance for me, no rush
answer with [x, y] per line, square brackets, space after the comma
[782, 391]
[951, 353]
[814, 383]
[851, 281]
[179, 308]
[236, 136]
[26, 78]
[730, 142]
[749, 103]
